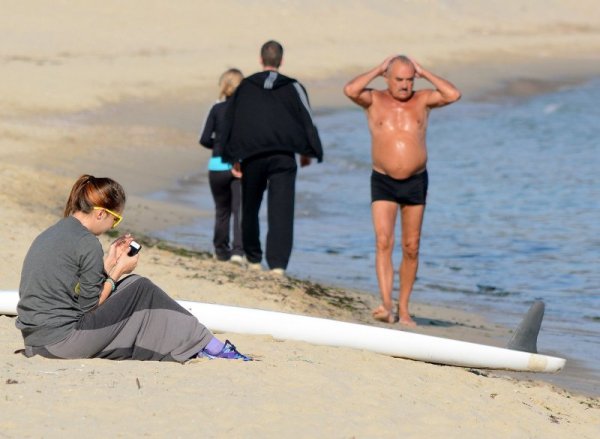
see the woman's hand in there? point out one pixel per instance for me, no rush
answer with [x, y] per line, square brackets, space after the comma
[117, 249]
[125, 265]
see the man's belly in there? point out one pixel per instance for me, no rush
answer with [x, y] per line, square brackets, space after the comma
[400, 163]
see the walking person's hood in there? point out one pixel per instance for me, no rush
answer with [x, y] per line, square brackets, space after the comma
[270, 80]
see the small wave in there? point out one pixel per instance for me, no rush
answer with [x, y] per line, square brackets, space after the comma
[482, 290]
[490, 290]
[551, 108]
[447, 288]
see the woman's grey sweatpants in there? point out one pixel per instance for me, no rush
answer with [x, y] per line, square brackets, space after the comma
[139, 321]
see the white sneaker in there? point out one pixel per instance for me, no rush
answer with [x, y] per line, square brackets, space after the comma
[236, 259]
[254, 266]
[278, 271]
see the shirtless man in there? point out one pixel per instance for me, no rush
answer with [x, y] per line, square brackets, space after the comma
[397, 118]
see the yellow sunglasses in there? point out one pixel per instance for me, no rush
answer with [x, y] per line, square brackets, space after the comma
[118, 218]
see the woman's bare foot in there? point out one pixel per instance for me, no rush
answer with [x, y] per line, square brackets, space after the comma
[383, 315]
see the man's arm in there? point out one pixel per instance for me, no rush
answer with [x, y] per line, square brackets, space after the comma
[312, 134]
[445, 92]
[305, 161]
[357, 89]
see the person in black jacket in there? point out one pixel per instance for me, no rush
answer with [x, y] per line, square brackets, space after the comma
[267, 122]
[224, 181]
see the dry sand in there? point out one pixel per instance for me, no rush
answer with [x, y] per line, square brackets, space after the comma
[120, 88]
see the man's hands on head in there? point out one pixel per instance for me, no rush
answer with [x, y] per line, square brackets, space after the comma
[385, 64]
[417, 66]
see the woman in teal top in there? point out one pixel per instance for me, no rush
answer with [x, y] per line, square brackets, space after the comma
[224, 180]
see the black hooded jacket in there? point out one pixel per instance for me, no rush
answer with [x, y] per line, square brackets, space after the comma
[269, 113]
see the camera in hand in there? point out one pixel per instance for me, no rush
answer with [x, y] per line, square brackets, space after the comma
[134, 248]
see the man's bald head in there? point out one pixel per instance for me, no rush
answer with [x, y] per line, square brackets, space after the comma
[403, 59]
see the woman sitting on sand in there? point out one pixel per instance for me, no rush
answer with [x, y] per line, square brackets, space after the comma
[77, 303]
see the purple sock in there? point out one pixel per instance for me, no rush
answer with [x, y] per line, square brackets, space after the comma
[214, 346]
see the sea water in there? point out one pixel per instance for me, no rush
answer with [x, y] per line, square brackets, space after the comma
[513, 213]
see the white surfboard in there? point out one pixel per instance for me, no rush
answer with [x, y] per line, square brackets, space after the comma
[222, 318]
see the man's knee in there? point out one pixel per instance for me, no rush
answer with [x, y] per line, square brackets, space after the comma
[410, 248]
[384, 242]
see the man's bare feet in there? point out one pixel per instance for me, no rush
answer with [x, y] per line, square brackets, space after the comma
[407, 321]
[384, 315]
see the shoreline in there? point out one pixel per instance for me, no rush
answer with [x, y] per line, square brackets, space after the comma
[320, 299]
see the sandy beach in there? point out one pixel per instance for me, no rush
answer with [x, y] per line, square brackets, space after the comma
[120, 89]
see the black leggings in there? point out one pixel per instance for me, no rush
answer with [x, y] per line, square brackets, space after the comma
[226, 191]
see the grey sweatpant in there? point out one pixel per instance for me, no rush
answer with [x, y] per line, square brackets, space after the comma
[138, 321]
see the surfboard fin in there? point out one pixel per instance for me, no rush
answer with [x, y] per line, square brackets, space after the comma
[525, 336]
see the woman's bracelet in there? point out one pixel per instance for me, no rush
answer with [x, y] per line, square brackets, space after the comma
[112, 283]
